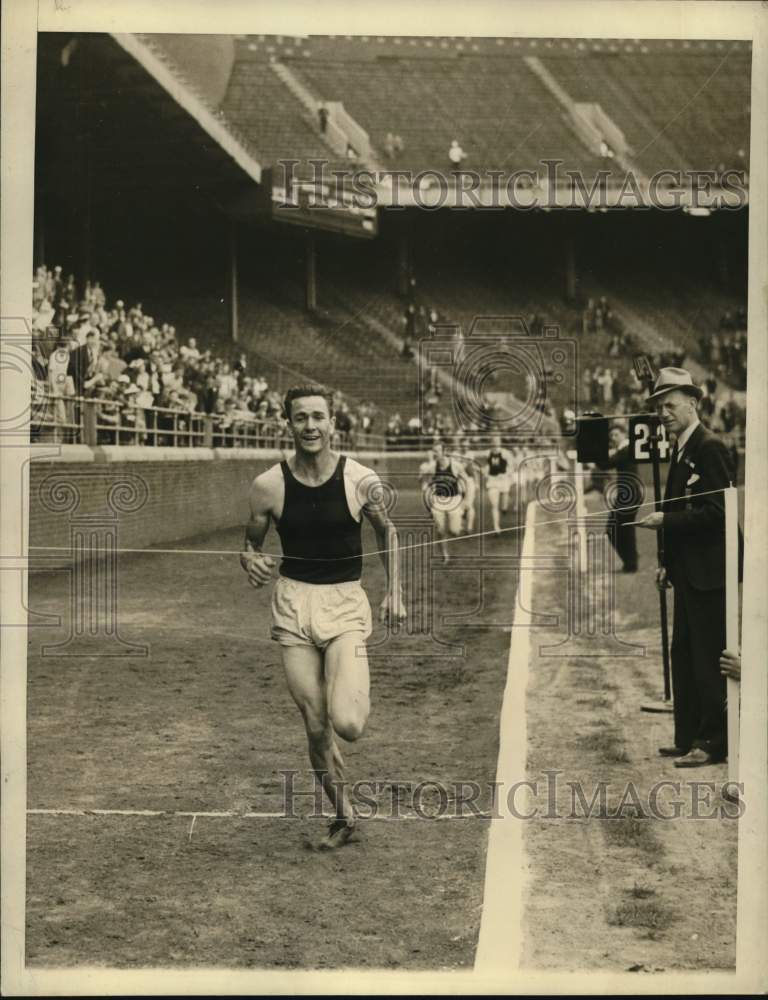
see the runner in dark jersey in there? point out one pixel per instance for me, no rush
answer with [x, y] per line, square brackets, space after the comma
[499, 468]
[319, 536]
[443, 483]
[320, 613]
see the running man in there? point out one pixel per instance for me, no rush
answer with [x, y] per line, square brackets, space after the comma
[320, 613]
[443, 484]
[471, 475]
[499, 467]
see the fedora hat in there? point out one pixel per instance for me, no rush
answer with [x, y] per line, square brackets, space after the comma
[674, 378]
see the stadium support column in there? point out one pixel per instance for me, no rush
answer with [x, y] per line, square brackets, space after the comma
[232, 280]
[571, 278]
[404, 267]
[39, 233]
[310, 271]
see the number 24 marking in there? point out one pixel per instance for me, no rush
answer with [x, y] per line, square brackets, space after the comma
[643, 442]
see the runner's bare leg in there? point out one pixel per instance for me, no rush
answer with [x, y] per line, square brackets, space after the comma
[347, 684]
[303, 667]
[493, 498]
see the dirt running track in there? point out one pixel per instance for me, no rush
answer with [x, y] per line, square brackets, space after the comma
[205, 724]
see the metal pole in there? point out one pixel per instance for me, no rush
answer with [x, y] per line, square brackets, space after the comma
[310, 271]
[654, 450]
[732, 622]
[232, 281]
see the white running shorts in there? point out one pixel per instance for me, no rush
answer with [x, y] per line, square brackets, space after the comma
[312, 614]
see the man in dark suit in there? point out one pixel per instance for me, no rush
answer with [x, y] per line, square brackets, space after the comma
[693, 523]
[82, 363]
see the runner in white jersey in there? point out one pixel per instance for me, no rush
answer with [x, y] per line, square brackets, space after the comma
[320, 613]
[471, 479]
[443, 483]
[498, 466]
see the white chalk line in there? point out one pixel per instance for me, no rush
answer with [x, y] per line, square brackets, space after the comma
[195, 814]
[500, 940]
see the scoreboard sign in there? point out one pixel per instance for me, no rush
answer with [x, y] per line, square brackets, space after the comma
[640, 431]
[318, 206]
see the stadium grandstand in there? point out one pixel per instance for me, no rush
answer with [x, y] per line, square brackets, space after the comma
[155, 158]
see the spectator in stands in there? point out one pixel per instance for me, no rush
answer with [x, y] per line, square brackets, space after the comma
[730, 413]
[393, 431]
[535, 324]
[588, 317]
[107, 415]
[82, 364]
[432, 321]
[595, 388]
[614, 346]
[322, 115]
[365, 415]
[60, 382]
[432, 387]
[456, 154]
[262, 413]
[393, 145]
[409, 321]
[715, 353]
[189, 352]
[240, 368]
[133, 416]
[226, 382]
[599, 318]
[344, 422]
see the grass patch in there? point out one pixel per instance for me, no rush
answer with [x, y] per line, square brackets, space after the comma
[631, 831]
[641, 891]
[648, 914]
[607, 744]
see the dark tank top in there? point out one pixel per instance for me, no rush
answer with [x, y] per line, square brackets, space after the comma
[446, 481]
[497, 464]
[316, 525]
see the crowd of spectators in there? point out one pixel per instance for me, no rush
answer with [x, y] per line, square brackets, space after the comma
[724, 351]
[144, 383]
[608, 388]
[615, 387]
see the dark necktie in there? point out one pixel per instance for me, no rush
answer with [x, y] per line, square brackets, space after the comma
[674, 467]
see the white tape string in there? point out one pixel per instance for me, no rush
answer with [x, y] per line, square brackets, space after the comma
[372, 552]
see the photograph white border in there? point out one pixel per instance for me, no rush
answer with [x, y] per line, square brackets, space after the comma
[544, 18]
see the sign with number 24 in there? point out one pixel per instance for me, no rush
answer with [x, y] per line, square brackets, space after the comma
[640, 431]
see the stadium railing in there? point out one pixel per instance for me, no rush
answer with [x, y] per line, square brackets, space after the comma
[93, 421]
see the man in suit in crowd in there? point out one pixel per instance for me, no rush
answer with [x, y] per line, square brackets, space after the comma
[693, 523]
[83, 361]
[625, 492]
